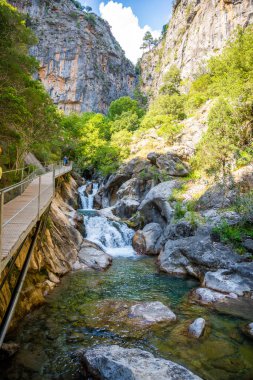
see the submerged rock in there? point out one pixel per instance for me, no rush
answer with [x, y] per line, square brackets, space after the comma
[152, 312]
[117, 363]
[197, 328]
[93, 256]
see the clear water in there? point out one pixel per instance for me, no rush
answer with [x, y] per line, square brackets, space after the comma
[89, 308]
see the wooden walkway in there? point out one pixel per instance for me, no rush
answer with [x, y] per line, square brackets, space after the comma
[21, 214]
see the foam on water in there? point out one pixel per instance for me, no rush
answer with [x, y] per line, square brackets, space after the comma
[114, 237]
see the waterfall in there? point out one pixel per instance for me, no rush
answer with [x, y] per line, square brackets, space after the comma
[114, 237]
[87, 201]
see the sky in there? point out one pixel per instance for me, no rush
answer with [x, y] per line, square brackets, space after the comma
[130, 19]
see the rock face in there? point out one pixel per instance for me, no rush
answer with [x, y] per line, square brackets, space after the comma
[82, 66]
[54, 258]
[93, 256]
[152, 312]
[117, 363]
[196, 329]
[197, 30]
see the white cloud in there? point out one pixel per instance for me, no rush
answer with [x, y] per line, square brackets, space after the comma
[126, 28]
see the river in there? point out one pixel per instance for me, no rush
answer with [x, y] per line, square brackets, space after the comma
[89, 308]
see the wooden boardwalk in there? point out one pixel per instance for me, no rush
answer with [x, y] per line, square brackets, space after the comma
[21, 214]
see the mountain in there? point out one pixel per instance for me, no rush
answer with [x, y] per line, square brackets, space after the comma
[82, 66]
[197, 30]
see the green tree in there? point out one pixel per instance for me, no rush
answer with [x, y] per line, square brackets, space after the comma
[148, 41]
[171, 81]
[27, 114]
[219, 144]
[124, 104]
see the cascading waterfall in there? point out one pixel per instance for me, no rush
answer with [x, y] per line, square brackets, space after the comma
[114, 237]
[88, 200]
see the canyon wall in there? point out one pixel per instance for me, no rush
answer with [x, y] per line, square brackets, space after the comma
[54, 254]
[82, 66]
[197, 30]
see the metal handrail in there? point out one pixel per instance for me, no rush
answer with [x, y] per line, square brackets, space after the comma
[17, 170]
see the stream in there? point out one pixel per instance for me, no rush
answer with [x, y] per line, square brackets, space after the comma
[88, 308]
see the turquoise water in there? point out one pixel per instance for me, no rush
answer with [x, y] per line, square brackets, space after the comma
[89, 308]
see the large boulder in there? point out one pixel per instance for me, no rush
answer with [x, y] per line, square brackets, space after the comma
[125, 208]
[155, 207]
[144, 242]
[93, 256]
[135, 188]
[152, 312]
[127, 171]
[227, 282]
[174, 231]
[196, 255]
[117, 363]
[171, 165]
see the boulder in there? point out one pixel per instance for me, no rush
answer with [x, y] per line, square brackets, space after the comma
[93, 256]
[196, 255]
[134, 188]
[171, 165]
[152, 157]
[144, 242]
[155, 206]
[117, 363]
[250, 329]
[226, 281]
[174, 231]
[152, 312]
[197, 328]
[207, 296]
[248, 244]
[125, 208]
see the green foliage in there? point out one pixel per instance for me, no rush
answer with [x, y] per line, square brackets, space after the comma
[124, 104]
[27, 114]
[244, 206]
[217, 147]
[102, 142]
[233, 234]
[171, 82]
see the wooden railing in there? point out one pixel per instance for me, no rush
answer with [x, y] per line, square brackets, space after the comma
[22, 205]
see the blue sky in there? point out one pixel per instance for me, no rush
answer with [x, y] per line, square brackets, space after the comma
[149, 14]
[131, 19]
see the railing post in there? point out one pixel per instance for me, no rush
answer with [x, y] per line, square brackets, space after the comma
[39, 197]
[1, 228]
[22, 177]
[53, 181]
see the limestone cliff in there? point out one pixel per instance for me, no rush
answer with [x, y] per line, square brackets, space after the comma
[53, 256]
[82, 66]
[197, 30]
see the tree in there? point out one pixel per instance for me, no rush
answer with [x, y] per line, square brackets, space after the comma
[222, 139]
[164, 31]
[148, 41]
[88, 9]
[27, 114]
[171, 81]
[124, 104]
